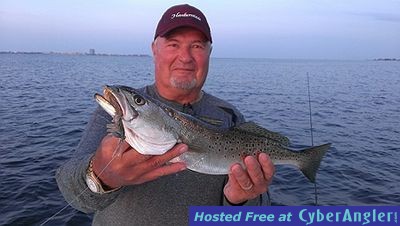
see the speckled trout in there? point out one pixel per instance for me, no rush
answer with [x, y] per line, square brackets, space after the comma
[152, 128]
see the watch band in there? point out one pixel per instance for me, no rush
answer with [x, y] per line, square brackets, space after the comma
[94, 183]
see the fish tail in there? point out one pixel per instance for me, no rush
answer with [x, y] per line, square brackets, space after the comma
[312, 159]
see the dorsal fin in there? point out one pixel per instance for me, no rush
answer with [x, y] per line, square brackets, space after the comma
[252, 127]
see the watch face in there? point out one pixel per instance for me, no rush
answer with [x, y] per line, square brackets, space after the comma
[91, 184]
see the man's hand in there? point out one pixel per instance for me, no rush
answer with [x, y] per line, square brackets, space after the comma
[132, 167]
[248, 184]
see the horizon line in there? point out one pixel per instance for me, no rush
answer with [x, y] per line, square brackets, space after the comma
[77, 53]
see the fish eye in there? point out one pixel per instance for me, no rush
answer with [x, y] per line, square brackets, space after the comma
[139, 100]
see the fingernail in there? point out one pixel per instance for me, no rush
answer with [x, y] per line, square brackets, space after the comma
[183, 148]
[236, 169]
[263, 157]
[248, 158]
[183, 168]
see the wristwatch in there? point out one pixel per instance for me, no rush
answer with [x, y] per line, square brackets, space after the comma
[93, 182]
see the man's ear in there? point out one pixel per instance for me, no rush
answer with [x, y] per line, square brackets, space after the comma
[153, 47]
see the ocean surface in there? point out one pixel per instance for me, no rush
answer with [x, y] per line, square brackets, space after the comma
[46, 101]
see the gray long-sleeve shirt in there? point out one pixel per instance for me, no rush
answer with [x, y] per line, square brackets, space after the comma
[164, 201]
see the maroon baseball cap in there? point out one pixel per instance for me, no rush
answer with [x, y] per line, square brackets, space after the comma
[182, 16]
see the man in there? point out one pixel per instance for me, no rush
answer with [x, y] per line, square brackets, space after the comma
[137, 189]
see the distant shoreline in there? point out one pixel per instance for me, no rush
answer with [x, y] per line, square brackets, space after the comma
[146, 55]
[73, 54]
[386, 59]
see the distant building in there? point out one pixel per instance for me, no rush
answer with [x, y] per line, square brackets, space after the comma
[91, 52]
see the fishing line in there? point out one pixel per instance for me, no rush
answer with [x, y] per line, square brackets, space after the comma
[76, 198]
[312, 136]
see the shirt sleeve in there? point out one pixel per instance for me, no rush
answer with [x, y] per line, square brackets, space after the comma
[71, 175]
[251, 202]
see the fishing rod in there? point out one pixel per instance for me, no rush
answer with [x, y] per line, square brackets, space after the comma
[312, 143]
[309, 107]
[312, 135]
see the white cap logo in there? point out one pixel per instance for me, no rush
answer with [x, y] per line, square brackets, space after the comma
[179, 14]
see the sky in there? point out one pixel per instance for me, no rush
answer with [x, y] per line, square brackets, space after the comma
[282, 29]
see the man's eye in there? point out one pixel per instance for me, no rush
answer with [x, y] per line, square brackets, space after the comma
[173, 45]
[197, 46]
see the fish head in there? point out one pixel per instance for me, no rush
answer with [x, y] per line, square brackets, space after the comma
[122, 102]
[137, 119]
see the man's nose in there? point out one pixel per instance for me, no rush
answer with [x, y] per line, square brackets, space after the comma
[185, 55]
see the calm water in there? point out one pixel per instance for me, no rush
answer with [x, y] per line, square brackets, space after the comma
[46, 101]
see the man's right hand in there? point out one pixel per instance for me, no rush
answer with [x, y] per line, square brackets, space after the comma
[131, 167]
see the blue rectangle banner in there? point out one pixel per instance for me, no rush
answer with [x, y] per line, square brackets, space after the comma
[293, 215]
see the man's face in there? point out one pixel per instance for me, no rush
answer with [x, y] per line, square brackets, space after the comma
[181, 59]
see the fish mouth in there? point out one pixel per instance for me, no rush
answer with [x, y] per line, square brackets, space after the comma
[109, 101]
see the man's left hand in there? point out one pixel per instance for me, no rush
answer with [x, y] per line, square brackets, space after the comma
[244, 184]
